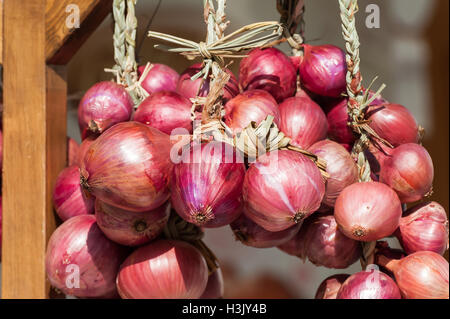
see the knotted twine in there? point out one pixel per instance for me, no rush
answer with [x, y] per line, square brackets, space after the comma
[292, 12]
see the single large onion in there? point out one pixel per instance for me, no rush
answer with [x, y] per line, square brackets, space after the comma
[163, 269]
[165, 111]
[372, 284]
[323, 70]
[424, 227]
[81, 261]
[129, 166]
[281, 189]
[159, 78]
[394, 123]
[368, 211]
[207, 185]
[131, 228]
[327, 246]
[215, 287]
[409, 171]
[329, 288]
[73, 150]
[189, 89]
[422, 275]
[303, 121]
[270, 70]
[340, 166]
[250, 234]
[252, 105]
[102, 106]
[69, 198]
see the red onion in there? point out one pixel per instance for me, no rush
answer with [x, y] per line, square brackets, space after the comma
[78, 248]
[69, 199]
[84, 146]
[159, 78]
[163, 269]
[422, 275]
[189, 89]
[215, 288]
[281, 189]
[102, 106]
[409, 171]
[130, 228]
[329, 288]
[250, 234]
[338, 129]
[323, 70]
[270, 70]
[303, 121]
[382, 249]
[326, 246]
[296, 60]
[129, 167]
[72, 151]
[376, 154]
[165, 111]
[340, 166]
[368, 211]
[394, 123]
[369, 284]
[252, 105]
[296, 246]
[424, 227]
[207, 185]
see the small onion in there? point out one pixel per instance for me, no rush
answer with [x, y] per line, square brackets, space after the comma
[252, 105]
[421, 275]
[394, 123]
[159, 78]
[296, 246]
[73, 150]
[424, 228]
[270, 70]
[250, 234]
[368, 211]
[102, 106]
[281, 189]
[372, 284]
[409, 171]
[69, 198]
[129, 167]
[382, 249]
[329, 288]
[376, 154]
[340, 166]
[215, 287]
[165, 111]
[207, 185]
[84, 146]
[338, 129]
[163, 269]
[323, 70]
[130, 228]
[303, 121]
[79, 248]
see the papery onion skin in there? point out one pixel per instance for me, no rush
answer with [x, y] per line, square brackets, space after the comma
[183, 276]
[327, 246]
[79, 242]
[207, 185]
[369, 284]
[159, 78]
[382, 250]
[103, 105]
[303, 121]
[188, 88]
[270, 70]
[376, 154]
[129, 167]
[409, 171]
[130, 228]
[281, 189]
[84, 146]
[215, 287]
[421, 275]
[340, 166]
[250, 234]
[338, 128]
[424, 228]
[394, 123]
[73, 150]
[329, 288]
[323, 70]
[251, 105]
[165, 111]
[69, 198]
[368, 211]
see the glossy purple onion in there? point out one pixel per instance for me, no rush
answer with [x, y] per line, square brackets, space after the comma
[159, 78]
[338, 129]
[329, 288]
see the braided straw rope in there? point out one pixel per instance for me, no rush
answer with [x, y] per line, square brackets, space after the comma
[292, 12]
